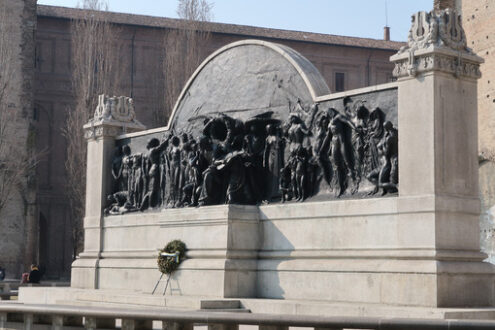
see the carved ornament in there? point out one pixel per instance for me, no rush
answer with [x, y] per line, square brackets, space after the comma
[437, 42]
[118, 108]
[113, 116]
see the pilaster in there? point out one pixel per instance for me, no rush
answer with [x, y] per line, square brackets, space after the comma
[113, 116]
[438, 149]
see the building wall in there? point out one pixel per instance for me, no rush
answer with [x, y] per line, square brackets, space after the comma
[480, 32]
[477, 19]
[140, 62]
[18, 234]
[52, 101]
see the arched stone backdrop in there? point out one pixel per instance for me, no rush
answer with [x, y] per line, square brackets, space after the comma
[247, 78]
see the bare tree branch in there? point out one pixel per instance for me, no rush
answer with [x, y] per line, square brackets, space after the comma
[185, 47]
[95, 70]
[195, 10]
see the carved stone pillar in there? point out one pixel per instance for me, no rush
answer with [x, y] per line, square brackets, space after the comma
[437, 76]
[438, 169]
[114, 116]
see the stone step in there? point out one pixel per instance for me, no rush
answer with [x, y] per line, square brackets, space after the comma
[226, 310]
[98, 297]
[69, 296]
[101, 304]
[223, 305]
[220, 304]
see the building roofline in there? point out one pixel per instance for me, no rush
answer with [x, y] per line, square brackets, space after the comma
[244, 30]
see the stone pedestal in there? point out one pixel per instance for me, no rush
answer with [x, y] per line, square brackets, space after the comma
[222, 245]
[113, 117]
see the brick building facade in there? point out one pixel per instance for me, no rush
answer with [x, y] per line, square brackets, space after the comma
[480, 32]
[477, 19]
[346, 63]
[18, 234]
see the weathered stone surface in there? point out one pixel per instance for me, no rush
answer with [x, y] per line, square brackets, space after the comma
[360, 251]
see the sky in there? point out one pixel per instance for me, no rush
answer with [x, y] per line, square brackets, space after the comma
[356, 18]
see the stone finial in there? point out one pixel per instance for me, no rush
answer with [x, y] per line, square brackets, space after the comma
[115, 108]
[439, 34]
[113, 116]
[437, 28]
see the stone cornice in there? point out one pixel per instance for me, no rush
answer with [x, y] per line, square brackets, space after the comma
[110, 128]
[434, 59]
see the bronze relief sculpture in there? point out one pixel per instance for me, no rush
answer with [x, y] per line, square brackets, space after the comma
[317, 153]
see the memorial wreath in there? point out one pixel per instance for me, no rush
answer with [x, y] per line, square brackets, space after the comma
[168, 264]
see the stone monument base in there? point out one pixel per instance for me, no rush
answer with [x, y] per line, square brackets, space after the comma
[389, 251]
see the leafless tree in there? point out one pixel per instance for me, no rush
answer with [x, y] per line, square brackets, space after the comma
[185, 47]
[95, 70]
[17, 160]
[195, 10]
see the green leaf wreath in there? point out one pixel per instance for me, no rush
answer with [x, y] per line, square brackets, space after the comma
[167, 265]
